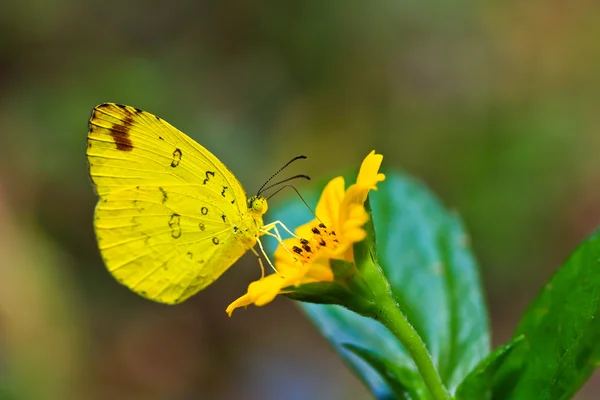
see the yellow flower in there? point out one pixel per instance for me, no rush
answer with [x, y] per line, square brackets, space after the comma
[339, 224]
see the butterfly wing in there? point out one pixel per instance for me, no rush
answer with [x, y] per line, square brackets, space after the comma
[168, 207]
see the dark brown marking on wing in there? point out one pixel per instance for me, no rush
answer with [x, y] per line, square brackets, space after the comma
[223, 191]
[215, 240]
[176, 158]
[175, 226]
[204, 210]
[201, 226]
[164, 193]
[224, 218]
[120, 134]
[211, 173]
[136, 204]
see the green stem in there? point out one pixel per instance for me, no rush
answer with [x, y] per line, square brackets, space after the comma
[396, 322]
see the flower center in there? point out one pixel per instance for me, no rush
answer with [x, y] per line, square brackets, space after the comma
[322, 237]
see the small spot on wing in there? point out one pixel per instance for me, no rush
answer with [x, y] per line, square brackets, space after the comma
[176, 158]
[211, 173]
[164, 194]
[174, 223]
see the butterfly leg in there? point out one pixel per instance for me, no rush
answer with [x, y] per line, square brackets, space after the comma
[262, 266]
[262, 249]
[266, 230]
[273, 226]
[277, 237]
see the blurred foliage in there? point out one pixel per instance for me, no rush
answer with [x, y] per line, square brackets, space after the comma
[493, 104]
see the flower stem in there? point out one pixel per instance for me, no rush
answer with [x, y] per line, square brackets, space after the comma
[396, 322]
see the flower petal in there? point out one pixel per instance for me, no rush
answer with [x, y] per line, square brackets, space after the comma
[369, 175]
[329, 204]
[319, 271]
[352, 215]
[243, 301]
[263, 291]
[304, 231]
[285, 261]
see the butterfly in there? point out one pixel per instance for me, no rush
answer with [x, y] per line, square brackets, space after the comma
[171, 217]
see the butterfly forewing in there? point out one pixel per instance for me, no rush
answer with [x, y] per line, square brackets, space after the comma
[167, 206]
[129, 147]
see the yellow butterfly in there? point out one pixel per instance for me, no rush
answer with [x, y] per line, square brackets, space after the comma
[171, 217]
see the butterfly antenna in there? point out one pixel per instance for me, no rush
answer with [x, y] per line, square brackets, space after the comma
[299, 195]
[301, 157]
[301, 176]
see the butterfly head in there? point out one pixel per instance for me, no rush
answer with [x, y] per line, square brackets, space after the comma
[258, 204]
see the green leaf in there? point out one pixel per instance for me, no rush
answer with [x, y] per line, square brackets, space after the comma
[403, 381]
[487, 374]
[425, 255]
[344, 329]
[562, 330]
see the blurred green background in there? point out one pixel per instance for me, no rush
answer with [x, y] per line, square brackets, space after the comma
[493, 104]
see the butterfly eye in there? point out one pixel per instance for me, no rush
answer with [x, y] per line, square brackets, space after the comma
[258, 204]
